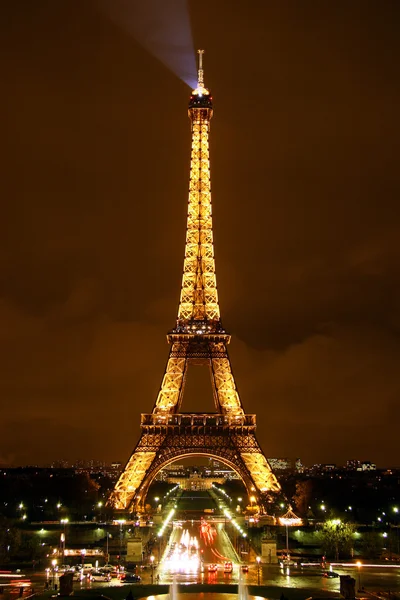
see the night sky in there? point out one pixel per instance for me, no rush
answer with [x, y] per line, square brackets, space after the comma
[305, 180]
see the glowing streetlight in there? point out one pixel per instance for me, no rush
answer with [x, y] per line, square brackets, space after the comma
[152, 567]
[359, 565]
[258, 559]
[53, 564]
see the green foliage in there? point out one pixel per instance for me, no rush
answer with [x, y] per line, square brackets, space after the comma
[337, 537]
[10, 539]
[372, 544]
[31, 547]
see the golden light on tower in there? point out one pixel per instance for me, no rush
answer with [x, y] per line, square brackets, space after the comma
[198, 337]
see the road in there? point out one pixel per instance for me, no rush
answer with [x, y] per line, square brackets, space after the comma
[198, 540]
[213, 546]
[310, 579]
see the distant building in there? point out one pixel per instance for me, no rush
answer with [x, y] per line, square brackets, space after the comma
[367, 466]
[353, 465]
[282, 464]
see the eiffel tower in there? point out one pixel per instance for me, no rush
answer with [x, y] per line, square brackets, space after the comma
[198, 338]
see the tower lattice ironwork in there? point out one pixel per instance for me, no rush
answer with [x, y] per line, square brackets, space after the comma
[198, 337]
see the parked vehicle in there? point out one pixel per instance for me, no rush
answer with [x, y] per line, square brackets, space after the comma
[130, 578]
[330, 574]
[100, 576]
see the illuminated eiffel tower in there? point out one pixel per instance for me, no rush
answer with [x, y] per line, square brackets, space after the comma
[198, 337]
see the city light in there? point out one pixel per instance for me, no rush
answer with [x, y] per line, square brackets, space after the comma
[166, 522]
[184, 557]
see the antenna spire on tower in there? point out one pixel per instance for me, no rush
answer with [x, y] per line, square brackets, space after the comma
[200, 72]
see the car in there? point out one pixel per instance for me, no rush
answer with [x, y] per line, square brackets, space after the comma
[228, 567]
[130, 578]
[87, 568]
[330, 574]
[212, 568]
[244, 568]
[100, 576]
[78, 576]
[114, 573]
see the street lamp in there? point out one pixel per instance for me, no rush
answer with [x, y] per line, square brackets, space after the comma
[107, 556]
[359, 565]
[121, 535]
[152, 567]
[53, 563]
[396, 511]
[289, 519]
[83, 553]
[62, 539]
[258, 559]
[238, 507]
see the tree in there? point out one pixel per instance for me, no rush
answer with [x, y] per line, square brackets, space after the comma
[372, 544]
[337, 537]
[10, 539]
[303, 496]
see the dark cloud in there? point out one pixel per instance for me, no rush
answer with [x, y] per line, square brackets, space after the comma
[94, 161]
